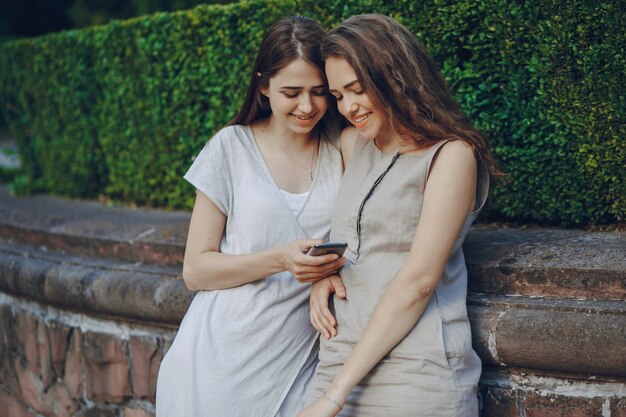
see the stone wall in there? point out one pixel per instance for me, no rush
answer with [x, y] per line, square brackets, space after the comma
[65, 363]
[90, 298]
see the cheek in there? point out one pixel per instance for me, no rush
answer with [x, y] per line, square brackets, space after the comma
[321, 103]
[279, 104]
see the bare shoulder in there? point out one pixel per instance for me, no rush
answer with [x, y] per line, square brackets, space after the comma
[349, 137]
[456, 156]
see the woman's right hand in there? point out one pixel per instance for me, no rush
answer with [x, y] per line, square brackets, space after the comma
[321, 317]
[305, 268]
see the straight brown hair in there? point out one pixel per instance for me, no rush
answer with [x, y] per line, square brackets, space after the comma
[289, 39]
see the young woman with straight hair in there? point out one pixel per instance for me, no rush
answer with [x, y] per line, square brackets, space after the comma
[417, 174]
[265, 188]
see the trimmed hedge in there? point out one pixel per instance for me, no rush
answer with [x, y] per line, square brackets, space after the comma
[122, 109]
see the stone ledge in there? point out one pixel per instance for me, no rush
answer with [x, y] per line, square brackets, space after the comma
[103, 287]
[88, 228]
[539, 262]
[539, 299]
[542, 333]
[582, 336]
[547, 262]
[533, 393]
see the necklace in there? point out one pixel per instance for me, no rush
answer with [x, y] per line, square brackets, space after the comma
[307, 169]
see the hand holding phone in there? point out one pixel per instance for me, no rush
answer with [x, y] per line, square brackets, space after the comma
[325, 248]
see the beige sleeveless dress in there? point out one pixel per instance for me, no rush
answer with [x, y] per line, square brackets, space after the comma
[433, 371]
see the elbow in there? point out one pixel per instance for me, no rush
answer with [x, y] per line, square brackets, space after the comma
[190, 277]
[421, 289]
[198, 275]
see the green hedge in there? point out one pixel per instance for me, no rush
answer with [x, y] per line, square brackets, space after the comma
[121, 109]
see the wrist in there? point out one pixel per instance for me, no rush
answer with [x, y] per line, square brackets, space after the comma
[337, 393]
[280, 258]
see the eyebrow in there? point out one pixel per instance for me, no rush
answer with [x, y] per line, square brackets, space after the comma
[300, 88]
[350, 84]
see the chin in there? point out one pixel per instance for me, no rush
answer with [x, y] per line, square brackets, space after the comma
[367, 134]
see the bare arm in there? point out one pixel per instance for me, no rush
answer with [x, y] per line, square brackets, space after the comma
[205, 268]
[448, 198]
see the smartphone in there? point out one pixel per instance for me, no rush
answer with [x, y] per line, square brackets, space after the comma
[325, 248]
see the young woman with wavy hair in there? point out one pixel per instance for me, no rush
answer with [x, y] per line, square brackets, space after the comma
[417, 174]
[265, 188]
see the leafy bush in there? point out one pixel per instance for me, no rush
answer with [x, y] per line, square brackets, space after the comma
[121, 109]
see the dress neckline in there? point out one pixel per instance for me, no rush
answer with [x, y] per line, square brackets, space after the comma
[250, 133]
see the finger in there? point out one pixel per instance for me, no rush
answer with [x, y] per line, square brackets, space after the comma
[317, 260]
[321, 271]
[323, 312]
[315, 275]
[309, 278]
[337, 284]
[306, 244]
[319, 326]
[329, 322]
[317, 305]
[333, 266]
[315, 322]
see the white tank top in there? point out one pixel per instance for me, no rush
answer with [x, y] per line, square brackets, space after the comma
[295, 201]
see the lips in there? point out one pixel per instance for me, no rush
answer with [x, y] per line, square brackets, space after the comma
[304, 120]
[360, 120]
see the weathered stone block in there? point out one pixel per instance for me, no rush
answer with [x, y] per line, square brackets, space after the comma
[57, 402]
[72, 372]
[11, 407]
[43, 354]
[536, 405]
[107, 368]
[618, 407]
[535, 339]
[6, 329]
[499, 402]
[58, 335]
[100, 412]
[145, 359]
[26, 330]
[136, 412]
[31, 387]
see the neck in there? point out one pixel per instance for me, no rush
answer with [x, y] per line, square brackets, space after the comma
[289, 139]
[388, 142]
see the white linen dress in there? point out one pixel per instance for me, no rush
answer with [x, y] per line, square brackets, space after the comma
[250, 350]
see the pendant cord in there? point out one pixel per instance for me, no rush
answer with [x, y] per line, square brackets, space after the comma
[308, 169]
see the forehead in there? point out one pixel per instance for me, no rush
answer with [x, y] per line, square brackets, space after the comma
[298, 73]
[339, 73]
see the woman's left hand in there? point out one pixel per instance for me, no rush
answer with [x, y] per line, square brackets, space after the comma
[320, 408]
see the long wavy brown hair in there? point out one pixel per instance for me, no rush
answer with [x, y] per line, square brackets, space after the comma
[404, 82]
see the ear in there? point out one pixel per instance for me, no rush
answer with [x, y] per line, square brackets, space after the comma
[264, 92]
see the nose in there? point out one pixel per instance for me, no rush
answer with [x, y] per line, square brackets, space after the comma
[304, 104]
[347, 106]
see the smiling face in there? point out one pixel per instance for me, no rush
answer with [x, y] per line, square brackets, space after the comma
[297, 96]
[352, 100]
